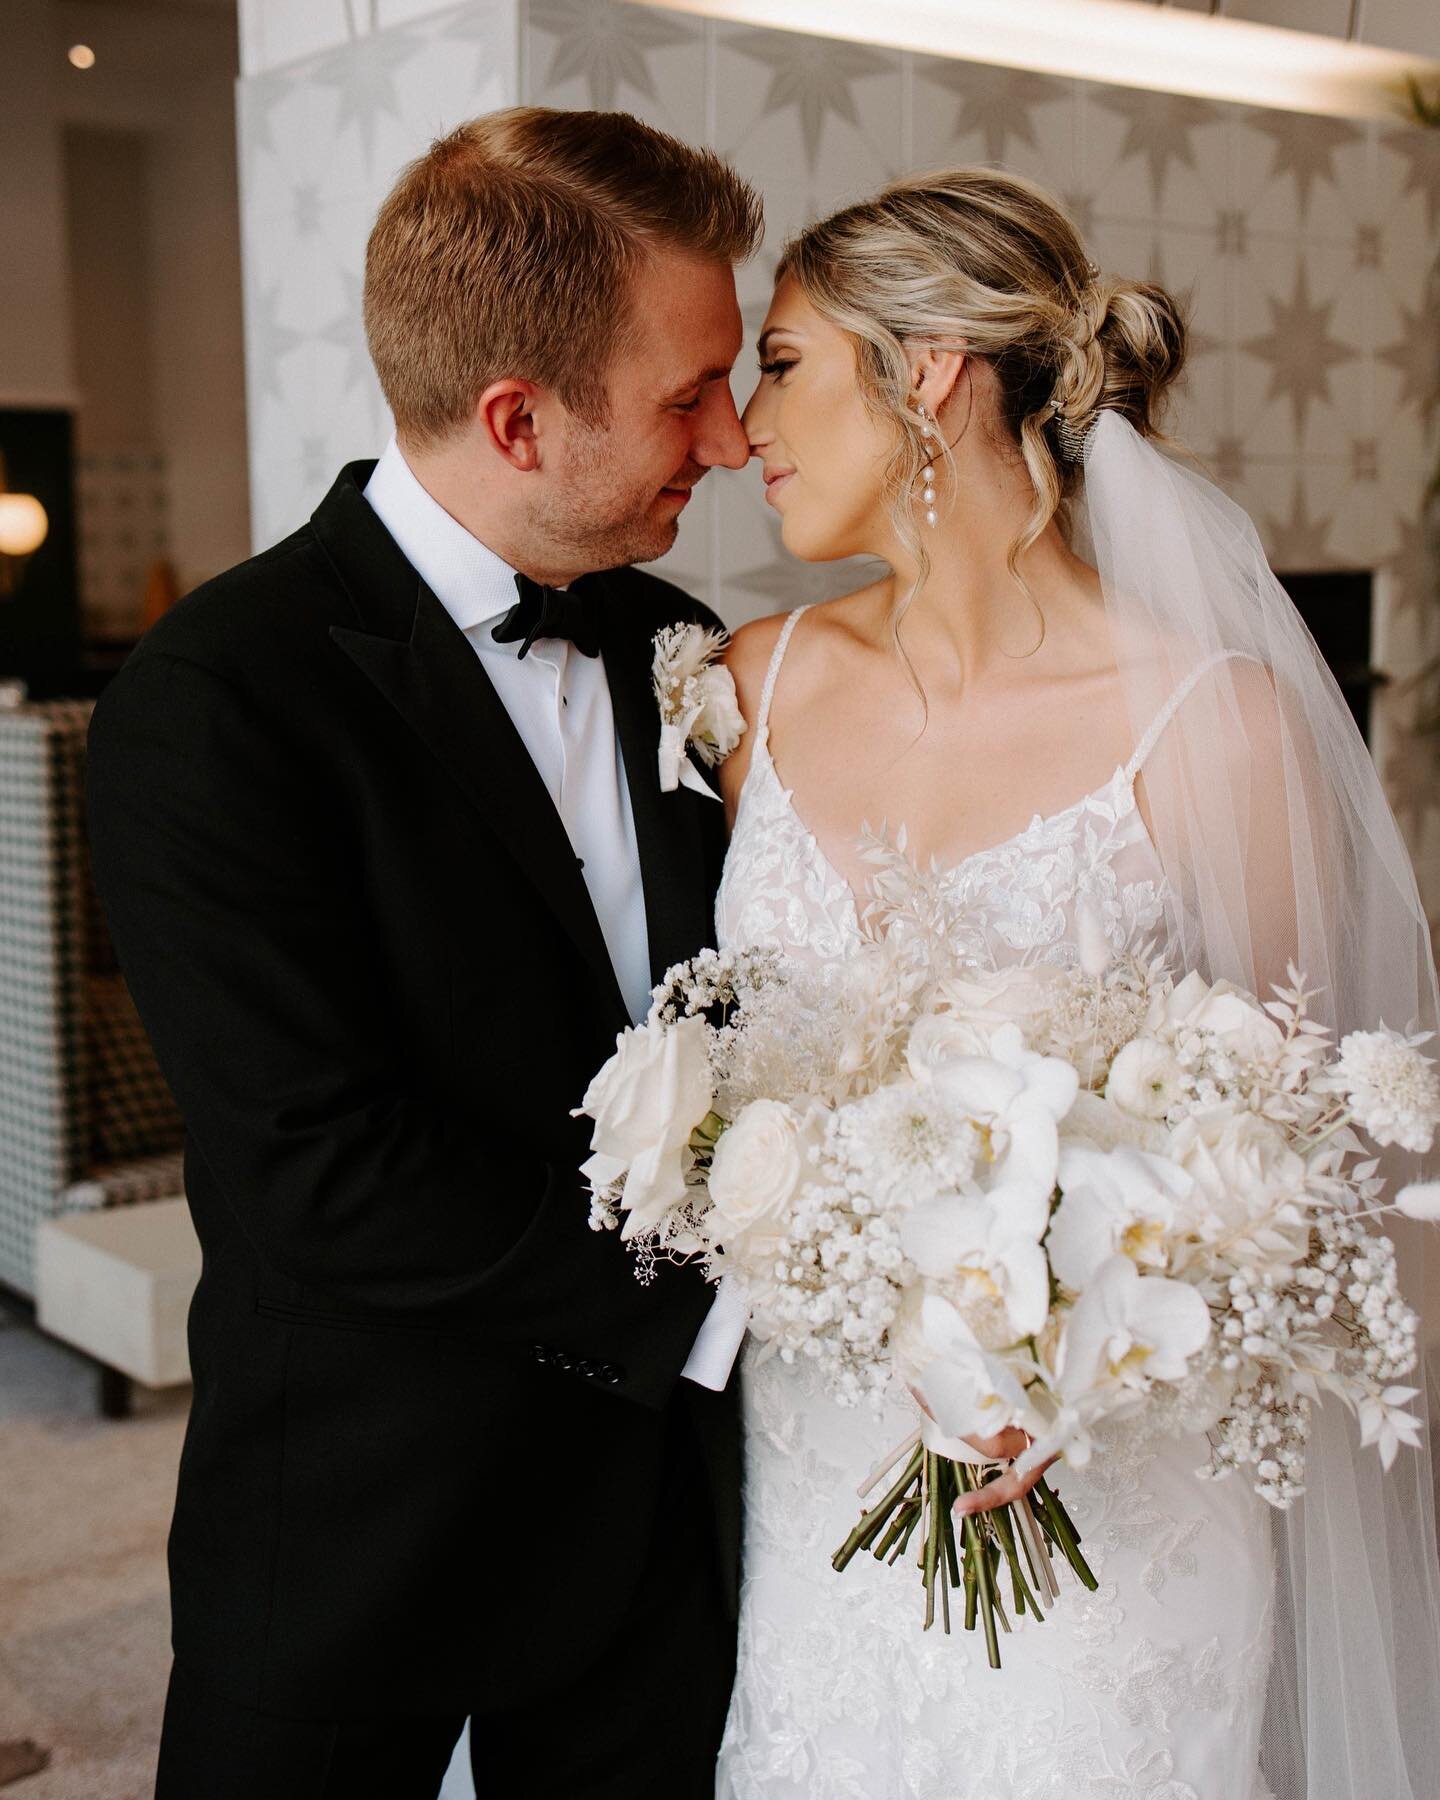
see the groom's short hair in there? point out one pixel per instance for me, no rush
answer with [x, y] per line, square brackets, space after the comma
[508, 249]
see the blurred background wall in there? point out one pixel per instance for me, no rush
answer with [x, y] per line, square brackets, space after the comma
[1305, 244]
[120, 285]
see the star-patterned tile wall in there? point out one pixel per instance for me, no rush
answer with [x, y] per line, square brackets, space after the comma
[1305, 246]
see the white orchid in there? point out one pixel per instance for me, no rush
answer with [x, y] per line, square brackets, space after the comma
[985, 1250]
[1129, 1330]
[971, 1392]
[1018, 1098]
[1113, 1202]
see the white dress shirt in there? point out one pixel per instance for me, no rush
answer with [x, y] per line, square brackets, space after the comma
[558, 699]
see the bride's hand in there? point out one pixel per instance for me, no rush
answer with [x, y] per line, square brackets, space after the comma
[1005, 1446]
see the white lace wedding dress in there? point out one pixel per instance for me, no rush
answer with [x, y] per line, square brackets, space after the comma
[1153, 1687]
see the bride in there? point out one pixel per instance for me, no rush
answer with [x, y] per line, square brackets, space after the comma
[1084, 697]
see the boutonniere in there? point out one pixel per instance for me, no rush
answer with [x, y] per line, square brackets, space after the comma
[698, 708]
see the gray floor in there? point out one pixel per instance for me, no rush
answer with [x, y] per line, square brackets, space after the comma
[84, 1618]
[84, 1507]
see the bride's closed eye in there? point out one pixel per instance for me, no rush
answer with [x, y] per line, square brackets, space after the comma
[777, 368]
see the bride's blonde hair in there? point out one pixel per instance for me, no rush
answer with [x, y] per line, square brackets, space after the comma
[987, 262]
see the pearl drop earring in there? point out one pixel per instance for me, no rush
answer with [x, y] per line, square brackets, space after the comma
[927, 431]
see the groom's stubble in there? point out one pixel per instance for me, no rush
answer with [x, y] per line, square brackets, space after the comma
[604, 515]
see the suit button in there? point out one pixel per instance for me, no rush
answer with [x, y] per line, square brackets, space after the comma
[541, 1352]
[589, 1369]
[563, 1360]
[612, 1373]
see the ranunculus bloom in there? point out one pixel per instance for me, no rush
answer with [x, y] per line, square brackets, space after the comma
[1145, 1079]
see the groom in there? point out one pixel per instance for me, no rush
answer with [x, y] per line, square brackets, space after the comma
[377, 824]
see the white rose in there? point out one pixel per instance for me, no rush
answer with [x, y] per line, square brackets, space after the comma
[719, 724]
[1145, 1079]
[937, 1039]
[646, 1102]
[1014, 992]
[1225, 1012]
[759, 1162]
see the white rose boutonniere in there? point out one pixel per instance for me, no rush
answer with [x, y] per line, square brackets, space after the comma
[696, 696]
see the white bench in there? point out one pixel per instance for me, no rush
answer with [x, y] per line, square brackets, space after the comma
[117, 1284]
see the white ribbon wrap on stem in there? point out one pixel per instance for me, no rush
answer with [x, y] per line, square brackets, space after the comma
[676, 768]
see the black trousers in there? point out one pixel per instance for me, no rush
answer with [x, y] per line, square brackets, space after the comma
[644, 1723]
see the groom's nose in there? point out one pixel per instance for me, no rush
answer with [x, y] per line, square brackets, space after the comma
[720, 440]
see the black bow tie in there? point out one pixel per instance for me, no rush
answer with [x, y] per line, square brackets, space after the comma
[546, 612]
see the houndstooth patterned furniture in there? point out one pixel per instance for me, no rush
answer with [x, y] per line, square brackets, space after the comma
[85, 1117]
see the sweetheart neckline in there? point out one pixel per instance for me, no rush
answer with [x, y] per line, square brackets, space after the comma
[948, 870]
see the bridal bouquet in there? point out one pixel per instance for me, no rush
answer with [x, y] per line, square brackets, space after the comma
[1039, 1197]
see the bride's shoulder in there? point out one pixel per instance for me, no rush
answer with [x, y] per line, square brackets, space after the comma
[748, 654]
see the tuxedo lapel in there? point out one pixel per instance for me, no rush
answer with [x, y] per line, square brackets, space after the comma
[419, 659]
[668, 826]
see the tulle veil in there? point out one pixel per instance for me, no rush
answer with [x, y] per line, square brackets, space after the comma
[1279, 846]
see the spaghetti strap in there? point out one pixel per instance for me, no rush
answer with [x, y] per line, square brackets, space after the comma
[777, 656]
[1172, 706]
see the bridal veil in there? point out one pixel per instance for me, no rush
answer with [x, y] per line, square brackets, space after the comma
[1280, 847]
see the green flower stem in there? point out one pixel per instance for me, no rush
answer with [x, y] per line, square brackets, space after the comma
[975, 1548]
[1064, 1532]
[907, 1534]
[873, 1521]
[904, 1514]
[932, 1538]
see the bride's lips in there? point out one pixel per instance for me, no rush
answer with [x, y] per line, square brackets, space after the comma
[775, 479]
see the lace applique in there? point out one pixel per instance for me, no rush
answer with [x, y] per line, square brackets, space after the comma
[1016, 901]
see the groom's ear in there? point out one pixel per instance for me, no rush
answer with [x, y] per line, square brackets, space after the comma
[505, 419]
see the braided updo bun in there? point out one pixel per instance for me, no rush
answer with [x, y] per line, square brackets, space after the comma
[987, 262]
[1126, 346]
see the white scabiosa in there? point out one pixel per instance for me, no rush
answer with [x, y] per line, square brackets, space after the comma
[1390, 1087]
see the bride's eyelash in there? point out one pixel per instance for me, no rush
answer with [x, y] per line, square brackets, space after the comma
[776, 368]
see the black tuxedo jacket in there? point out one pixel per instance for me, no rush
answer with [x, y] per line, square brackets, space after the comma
[430, 1402]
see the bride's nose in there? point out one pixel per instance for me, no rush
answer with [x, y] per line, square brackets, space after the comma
[757, 433]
